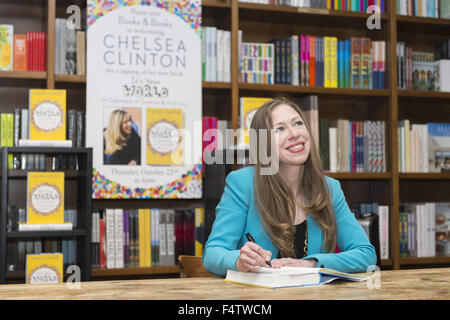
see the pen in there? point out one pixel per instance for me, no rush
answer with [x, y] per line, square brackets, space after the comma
[250, 238]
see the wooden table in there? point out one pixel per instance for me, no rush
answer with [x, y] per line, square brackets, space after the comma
[425, 284]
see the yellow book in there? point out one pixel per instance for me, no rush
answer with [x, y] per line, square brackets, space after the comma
[327, 62]
[148, 254]
[6, 47]
[45, 198]
[199, 230]
[10, 137]
[47, 109]
[164, 136]
[4, 129]
[333, 63]
[142, 242]
[44, 268]
[248, 108]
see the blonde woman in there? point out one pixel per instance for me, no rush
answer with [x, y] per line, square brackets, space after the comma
[297, 216]
[122, 144]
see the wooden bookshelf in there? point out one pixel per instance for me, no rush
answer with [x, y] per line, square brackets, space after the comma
[70, 78]
[312, 90]
[23, 75]
[425, 176]
[260, 23]
[359, 175]
[425, 261]
[155, 270]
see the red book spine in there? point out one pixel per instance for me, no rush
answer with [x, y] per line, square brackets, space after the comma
[312, 61]
[38, 51]
[44, 51]
[188, 232]
[28, 51]
[102, 244]
[179, 233]
[353, 146]
[33, 51]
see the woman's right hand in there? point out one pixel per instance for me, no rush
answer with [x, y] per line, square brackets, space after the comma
[252, 256]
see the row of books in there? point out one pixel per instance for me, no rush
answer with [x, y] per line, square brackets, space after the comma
[216, 54]
[353, 146]
[315, 61]
[347, 5]
[145, 237]
[424, 229]
[14, 127]
[18, 216]
[248, 105]
[28, 52]
[70, 49]
[420, 71]
[423, 147]
[17, 251]
[22, 52]
[424, 8]
[362, 210]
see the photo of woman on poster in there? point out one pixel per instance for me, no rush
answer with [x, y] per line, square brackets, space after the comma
[121, 140]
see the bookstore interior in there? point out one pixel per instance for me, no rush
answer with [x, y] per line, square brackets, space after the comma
[122, 199]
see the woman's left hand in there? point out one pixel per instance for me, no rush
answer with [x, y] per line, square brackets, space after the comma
[290, 262]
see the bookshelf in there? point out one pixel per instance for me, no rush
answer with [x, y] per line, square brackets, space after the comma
[77, 195]
[261, 23]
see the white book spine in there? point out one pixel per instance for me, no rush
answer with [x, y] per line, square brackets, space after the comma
[45, 143]
[425, 147]
[208, 60]
[227, 56]
[333, 152]
[214, 54]
[170, 228]
[162, 238]
[383, 212]
[118, 237]
[220, 55]
[46, 227]
[110, 241]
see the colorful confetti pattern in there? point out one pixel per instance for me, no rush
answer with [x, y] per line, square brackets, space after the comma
[103, 188]
[188, 11]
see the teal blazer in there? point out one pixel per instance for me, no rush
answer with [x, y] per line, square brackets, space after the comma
[237, 214]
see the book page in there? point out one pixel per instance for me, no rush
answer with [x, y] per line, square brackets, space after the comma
[288, 270]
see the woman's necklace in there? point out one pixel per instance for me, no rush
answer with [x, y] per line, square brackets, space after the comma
[305, 248]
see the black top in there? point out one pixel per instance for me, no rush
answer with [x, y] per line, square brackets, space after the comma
[131, 151]
[299, 240]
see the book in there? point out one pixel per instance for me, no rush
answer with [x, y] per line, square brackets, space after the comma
[20, 52]
[45, 198]
[438, 147]
[67, 226]
[45, 143]
[164, 138]
[199, 230]
[290, 277]
[44, 268]
[248, 108]
[6, 47]
[47, 114]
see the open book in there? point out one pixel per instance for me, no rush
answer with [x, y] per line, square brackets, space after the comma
[290, 277]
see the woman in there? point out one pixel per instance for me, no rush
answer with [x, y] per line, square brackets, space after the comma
[296, 215]
[122, 145]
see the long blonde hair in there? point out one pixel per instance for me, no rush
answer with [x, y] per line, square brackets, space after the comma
[275, 199]
[115, 138]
